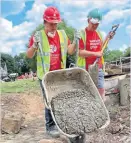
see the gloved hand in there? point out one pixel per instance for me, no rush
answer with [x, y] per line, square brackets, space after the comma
[77, 35]
[111, 35]
[36, 39]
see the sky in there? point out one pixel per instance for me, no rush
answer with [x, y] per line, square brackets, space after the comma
[20, 17]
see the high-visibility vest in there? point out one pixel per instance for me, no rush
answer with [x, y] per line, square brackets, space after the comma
[43, 54]
[81, 62]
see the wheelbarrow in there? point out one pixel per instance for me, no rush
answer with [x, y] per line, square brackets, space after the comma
[74, 101]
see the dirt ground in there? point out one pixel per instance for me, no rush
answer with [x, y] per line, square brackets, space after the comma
[31, 106]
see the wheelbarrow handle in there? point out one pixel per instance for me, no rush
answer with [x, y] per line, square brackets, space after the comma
[77, 52]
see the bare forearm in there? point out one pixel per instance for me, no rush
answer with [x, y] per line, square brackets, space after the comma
[85, 53]
[30, 52]
[71, 49]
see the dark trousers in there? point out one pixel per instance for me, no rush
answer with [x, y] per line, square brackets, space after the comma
[48, 117]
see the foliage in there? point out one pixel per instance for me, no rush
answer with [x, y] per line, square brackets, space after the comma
[70, 33]
[9, 61]
[127, 52]
[31, 63]
[18, 64]
[68, 29]
[21, 63]
[111, 55]
[38, 28]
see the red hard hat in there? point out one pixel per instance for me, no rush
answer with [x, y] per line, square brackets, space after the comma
[52, 15]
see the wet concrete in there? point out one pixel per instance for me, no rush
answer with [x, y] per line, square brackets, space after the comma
[77, 111]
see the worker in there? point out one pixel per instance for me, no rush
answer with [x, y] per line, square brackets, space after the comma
[90, 46]
[55, 46]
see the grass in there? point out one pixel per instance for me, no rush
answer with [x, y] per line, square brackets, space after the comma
[19, 86]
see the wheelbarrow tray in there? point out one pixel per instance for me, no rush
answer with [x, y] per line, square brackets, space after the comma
[75, 103]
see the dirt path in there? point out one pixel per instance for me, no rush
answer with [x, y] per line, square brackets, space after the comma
[31, 106]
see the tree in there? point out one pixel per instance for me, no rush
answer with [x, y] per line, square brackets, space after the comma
[31, 63]
[21, 63]
[127, 52]
[9, 60]
[68, 29]
[70, 33]
[40, 27]
[111, 55]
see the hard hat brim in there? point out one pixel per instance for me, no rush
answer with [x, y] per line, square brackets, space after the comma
[54, 21]
[94, 21]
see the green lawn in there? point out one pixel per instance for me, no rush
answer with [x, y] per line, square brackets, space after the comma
[19, 86]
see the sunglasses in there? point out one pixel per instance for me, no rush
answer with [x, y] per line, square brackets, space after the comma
[94, 21]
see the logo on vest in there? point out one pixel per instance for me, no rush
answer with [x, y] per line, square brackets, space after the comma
[53, 48]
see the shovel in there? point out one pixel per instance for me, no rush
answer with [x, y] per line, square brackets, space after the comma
[93, 69]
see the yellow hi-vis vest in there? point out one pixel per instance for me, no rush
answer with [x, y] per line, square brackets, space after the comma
[81, 62]
[43, 54]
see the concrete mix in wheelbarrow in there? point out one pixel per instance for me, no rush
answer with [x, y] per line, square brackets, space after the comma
[77, 111]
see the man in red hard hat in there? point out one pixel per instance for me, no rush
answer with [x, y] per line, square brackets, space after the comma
[51, 55]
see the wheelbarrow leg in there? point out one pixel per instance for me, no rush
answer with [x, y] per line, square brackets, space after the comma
[78, 139]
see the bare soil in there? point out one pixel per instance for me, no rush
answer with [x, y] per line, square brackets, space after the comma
[31, 105]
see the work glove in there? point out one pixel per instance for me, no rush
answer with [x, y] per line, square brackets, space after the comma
[77, 35]
[36, 39]
[111, 35]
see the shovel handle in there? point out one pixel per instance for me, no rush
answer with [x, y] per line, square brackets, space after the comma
[103, 48]
[114, 28]
[105, 45]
